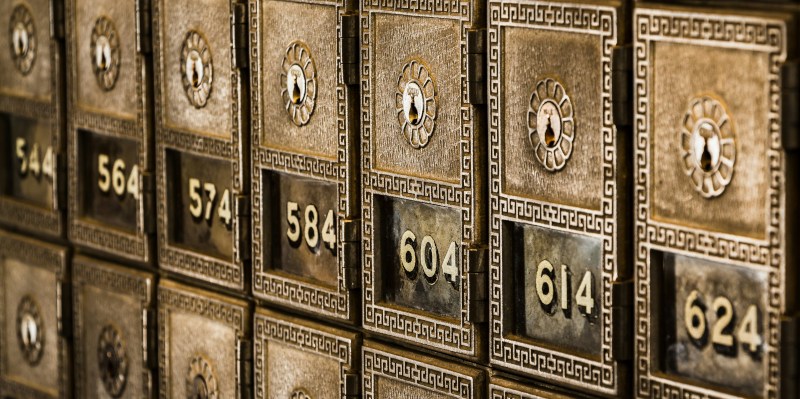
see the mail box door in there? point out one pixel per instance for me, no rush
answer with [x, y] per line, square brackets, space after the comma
[295, 358]
[558, 192]
[423, 166]
[712, 204]
[501, 388]
[31, 119]
[305, 145]
[110, 128]
[34, 355]
[113, 327]
[202, 140]
[201, 344]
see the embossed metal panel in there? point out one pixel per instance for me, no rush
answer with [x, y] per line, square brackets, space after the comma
[34, 355]
[306, 203]
[558, 194]
[200, 335]
[392, 373]
[31, 118]
[299, 359]
[202, 174]
[423, 165]
[507, 389]
[113, 330]
[712, 205]
[110, 128]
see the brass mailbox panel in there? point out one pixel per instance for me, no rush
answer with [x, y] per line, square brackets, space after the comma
[34, 353]
[391, 373]
[202, 153]
[507, 389]
[32, 180]
[202, 346]
[424, 174]
[558, 169]
[111, 190]
[306, 202]
[713, 203]
[299, 359]
[113, 330]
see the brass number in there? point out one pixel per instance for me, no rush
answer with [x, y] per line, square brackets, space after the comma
[115, 178]
[32, 161]
[548, 296]
[310, 232]
[201, 212]
[722, 331]
[429, 264]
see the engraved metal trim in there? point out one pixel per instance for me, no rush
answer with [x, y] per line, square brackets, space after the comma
[415, 101]
[105, 53]
[22, 35]
[299, 83]
[551, 127]
[200, 381]
[197, 69]
[30, 330]
[708, 148]
[112, 360]
[300, 394]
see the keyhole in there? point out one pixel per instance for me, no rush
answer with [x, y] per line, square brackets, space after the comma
[111, 365]
[195, 76]
[200, 389]
[705, 159]
[413, 114]
[296, 96]
[29, 330]
[103, 61]
[549, 135]
[20, 40]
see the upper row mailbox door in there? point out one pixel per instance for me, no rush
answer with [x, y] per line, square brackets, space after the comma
[558, 192]
[31, 118]
[712, 203]
[423, 174]
[201, 151]
[110, 158]
[305, 164]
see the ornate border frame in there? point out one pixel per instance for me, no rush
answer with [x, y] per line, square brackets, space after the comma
[20, 214]
[229, 273]
[327, 342]
[461, 337]
[421, 371]
[344, 171]
[54, 259]
[507, 350]
[137, 246]
[215, 308]
[112, 278]
[731, 31]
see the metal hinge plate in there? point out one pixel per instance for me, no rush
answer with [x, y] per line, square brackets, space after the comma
[790, 105]
[242, 212]
[478, 285]
[348, 37]
[476, 66]
[144, 29]
[239, 38]
[622, 320]
[622, 85]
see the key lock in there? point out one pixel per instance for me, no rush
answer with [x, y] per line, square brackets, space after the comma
[197, 70]
[200, 380]
[298, 83]
[112, 360]
[105, 53]
[30, 330]
[707, 143]
[415, 101]
[551, 125]
[22, 33]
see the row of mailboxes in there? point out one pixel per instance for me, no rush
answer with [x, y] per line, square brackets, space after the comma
[582, 193]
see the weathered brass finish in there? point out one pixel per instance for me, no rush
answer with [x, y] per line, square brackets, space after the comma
[31, 118]
[306, 203]
[34, 355]
[507, 389]
[113, 330]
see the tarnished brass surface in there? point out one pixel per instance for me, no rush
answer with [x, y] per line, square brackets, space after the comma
[34, 355]
[506, 389]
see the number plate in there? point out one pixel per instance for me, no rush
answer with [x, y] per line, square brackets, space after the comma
[423, 163]
[305, 147]
[288, 366]
[110, 156]
[200, 338]
[202, 174]
[558, 194]
[31, 119]
[712, 205]
[34, 360]
[112, 318]
[390, 373]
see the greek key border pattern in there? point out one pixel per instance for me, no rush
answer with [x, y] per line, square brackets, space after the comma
[505, 350]
[378, 363]
[30, 217]
[762, 35]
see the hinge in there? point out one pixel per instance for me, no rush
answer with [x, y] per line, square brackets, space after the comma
[478, 285]
[61, 182]
[350, 49]
[351, 247]
[242, 212]
[622, 320]
[148, 202]
[57, 19]
[239, 37]
[144, 27]
[63, 309]
[790, 106]
[244, 354]
[476, 66]
[150, 338]
[790, 351]
[622, 85]
[352, 385]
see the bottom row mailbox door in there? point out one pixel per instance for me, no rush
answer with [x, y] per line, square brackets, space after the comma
[112, 321]
[33, 353]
